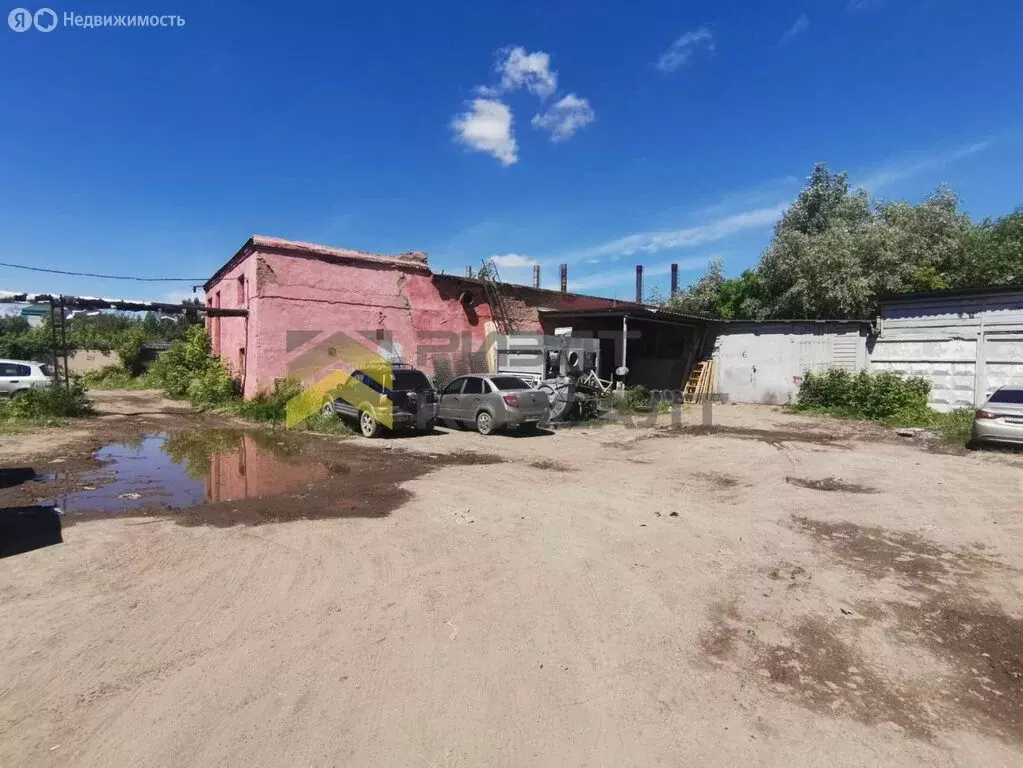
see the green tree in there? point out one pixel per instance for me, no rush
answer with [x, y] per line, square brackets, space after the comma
[996, 252]
[741, 297]
[835, 254]
[701, 296]
[921, 247]
[811, 268]
[19, 341]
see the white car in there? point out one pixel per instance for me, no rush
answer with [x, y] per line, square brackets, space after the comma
[1000, 419]
[17, 376]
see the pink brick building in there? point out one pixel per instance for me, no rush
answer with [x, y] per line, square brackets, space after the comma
[306, 303]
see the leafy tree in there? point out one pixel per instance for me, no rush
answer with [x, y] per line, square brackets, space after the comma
[19, 341]
[915, 247]
[701, 296]
[835, 253]
[741, 297]
[810, 269]
[995, 252]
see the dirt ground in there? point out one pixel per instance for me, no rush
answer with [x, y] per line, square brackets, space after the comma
[775, 590]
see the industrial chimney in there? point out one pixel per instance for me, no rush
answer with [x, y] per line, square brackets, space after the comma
[674, 279]
[564, 278]
[639, 283]
[536, 275]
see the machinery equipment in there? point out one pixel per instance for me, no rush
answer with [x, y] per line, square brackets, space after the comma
[562, 366]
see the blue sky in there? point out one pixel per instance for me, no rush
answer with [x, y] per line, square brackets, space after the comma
[601, 134]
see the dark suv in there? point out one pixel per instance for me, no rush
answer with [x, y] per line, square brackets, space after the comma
[386, 396]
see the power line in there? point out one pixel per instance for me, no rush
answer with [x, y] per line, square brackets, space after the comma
[194, 280]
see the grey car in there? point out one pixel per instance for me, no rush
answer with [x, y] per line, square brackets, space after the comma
[492, 401]
[1000, 419]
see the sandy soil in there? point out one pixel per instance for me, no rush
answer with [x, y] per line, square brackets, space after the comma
[778, 591]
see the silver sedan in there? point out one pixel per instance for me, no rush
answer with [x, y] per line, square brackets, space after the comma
[1000, 419]
[492, 401]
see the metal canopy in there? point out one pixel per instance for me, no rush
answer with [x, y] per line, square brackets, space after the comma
[632, 313]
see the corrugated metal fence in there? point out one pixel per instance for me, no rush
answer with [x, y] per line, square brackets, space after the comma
[966, 345]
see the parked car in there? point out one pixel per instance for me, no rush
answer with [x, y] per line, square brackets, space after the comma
[492, 401]
[1000, 419]
[17, 376]
[394, 392]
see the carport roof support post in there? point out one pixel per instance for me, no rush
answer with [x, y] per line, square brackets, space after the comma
[625, 337]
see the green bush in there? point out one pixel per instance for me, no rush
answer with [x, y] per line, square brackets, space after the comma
[50, 402]
[130, 349]
[213, 386]
[875, 396]
[885, 397]
[270, 406]
[188, 370]
[632, 399]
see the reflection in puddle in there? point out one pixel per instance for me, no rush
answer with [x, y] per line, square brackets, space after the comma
[185, 469]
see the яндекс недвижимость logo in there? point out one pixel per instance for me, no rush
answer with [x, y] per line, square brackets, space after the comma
[46, 20]
[22, 19]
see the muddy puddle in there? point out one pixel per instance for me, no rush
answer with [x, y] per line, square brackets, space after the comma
[228, 477]
[184, 469]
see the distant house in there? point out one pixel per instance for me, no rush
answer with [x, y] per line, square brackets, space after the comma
[35, 314]
[967, 343]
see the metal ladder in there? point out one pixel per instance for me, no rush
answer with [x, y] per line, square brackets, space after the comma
[495, 299]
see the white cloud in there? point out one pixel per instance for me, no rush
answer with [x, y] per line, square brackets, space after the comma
[531, 71]
[683, 49]
[798, 27]
[487, 127]
[565, 117]
[653, 242]
[882, 177]
[513, 260]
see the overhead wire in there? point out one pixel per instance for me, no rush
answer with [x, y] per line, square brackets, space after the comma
[195, 280]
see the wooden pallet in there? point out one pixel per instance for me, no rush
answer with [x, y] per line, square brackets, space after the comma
[700, 386]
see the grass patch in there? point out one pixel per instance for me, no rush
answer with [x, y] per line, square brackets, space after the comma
[117, 377]
[953, 426]
[17, 426]
[330, 425]
[46, 407]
